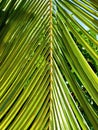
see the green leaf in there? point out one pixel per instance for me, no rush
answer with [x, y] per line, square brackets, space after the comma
[48, 65]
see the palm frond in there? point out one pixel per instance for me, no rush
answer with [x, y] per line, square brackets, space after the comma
[47, 79]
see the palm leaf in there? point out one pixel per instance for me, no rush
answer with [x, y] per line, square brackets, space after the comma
[48, 64]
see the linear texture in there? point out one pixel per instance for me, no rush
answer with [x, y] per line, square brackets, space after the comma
[24, 63]
[48, 64]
